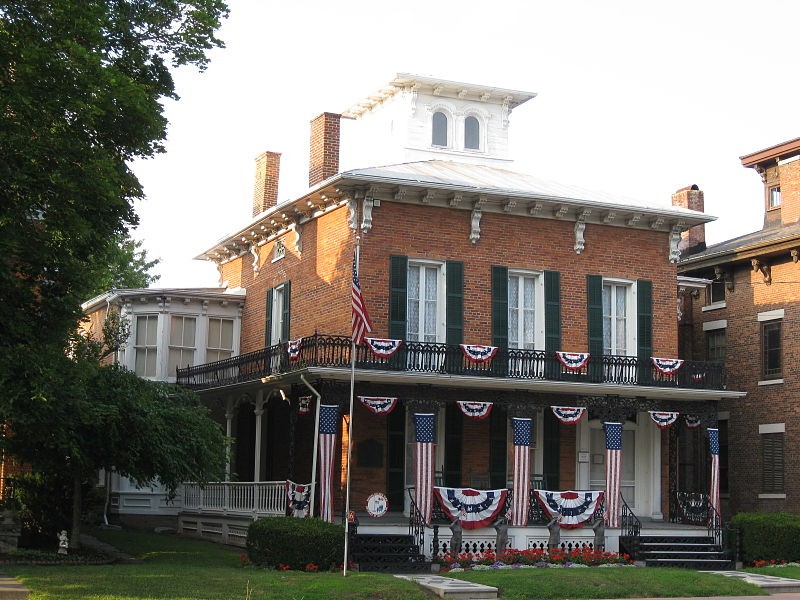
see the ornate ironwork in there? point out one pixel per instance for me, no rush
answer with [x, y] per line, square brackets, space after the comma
[690, 508]
[320, 350]
[630, 524]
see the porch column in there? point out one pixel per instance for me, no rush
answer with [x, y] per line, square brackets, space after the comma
[230, 407]
[655, 477]
[259, 411]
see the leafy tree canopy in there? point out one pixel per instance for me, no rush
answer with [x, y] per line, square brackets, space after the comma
[80, 91]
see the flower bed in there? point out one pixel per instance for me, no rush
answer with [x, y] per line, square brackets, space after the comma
[535, 558]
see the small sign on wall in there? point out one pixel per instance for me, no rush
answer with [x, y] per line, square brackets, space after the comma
[583, 457]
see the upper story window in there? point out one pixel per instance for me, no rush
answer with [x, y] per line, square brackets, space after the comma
[472, 134]
[525, 329]
[619, 312]
[146, 345]
[439, 125]
[424, 319]
[772, 462]
[716, 342]
[279, 303]
[774, 197]
[220, 339]
[716, 291]
[181, 342]
[771, 367]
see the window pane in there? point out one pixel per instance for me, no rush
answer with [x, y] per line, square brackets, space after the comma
[431, 283]
[176, 331]
[771, 341]
[141, 331]
[188, 331]
[226, 337]
[621, 301]
[150, 368]
[439, 127]
[529, 324]
[214, 327]
[152, 326]
[472, 133]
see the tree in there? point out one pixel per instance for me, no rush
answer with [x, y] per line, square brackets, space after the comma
[80, 91]
[124, 265]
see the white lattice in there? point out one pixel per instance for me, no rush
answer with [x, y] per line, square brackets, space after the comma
[571, 543]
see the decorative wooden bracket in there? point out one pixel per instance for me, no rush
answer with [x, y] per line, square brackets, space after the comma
[765, 269]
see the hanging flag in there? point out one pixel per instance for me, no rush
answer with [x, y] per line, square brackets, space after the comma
[304, 405]
[425, 451]
[472, 508]
[667, 366]
[663, 419]
[692, 421]
[379, 406]
[572, 508]
[569, 415]
[478, 354]
[299, 499]
[520, 501]
[475, 410]
[383, 348]
[293, 348]
[328, 423]
[613, 474]
[713, 442]
[573, 361]
[361, 323]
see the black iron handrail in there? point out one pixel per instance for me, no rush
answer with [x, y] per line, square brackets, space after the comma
[320, 350]
[629, 522]
[416, 523]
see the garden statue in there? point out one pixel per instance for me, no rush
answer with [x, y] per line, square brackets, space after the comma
[501, 543]
[555, 533]
[455, 541]
[599, 528]
[63, 542]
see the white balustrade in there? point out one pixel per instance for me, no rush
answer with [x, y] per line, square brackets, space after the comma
[236, 498]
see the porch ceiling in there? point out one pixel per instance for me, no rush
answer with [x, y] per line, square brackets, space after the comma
[490, 383]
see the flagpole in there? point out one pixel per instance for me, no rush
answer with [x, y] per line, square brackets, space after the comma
[350, 430]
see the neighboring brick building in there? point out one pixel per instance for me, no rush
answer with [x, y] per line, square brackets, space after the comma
[749, 321]
[455, 248]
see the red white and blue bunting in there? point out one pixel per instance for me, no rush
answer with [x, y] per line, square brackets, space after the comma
[663, 419]
[692, 421]
[378, 405]
[667, 366]
[569, 415]
[299, 499]
[475, 410]
[293, 348]
[573, 509]
[472, 508]
[573, 361]
[304, 405]
[477, 353]
[383, 348]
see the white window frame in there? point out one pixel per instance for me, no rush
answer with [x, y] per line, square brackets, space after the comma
[146, 348]
[631, 317]
[276, 322]
[538, 308]
[448, 113]
[774, 197]
[441, 299]
[215, 349]
[173, 346]
[481, 133]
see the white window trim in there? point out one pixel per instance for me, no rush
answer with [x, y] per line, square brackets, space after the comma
[632, 315]
[441, 294]
[714, 325]
[171, 346]
[451, 126]
[772, 428]
[158, 344]
[276, 322]
[714, 306]
[482, 132]
[770, 381]
[235, 335]
[772, 496]
[771, 315]
[538, 340]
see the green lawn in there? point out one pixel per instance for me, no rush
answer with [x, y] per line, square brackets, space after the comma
[788, 572]
[176, 568]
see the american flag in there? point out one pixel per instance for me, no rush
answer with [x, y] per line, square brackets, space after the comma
[522, 469]
[361, 323]
[713, 441]
[613, 475]
[424, 426]
[328, 422]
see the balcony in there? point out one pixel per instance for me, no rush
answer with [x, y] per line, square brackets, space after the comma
[331, 352]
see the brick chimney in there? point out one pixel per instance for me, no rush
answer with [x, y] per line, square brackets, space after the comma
[323, 160]
[265, 191]
[693, 240]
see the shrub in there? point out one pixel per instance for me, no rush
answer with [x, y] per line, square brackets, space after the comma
[768, 536]
[295, 543]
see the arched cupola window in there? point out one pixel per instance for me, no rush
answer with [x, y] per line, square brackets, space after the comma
[472, 134]
[439, 129]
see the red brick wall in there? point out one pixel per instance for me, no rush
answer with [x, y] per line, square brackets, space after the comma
[790, 192]
[323, 161]
[265, 190]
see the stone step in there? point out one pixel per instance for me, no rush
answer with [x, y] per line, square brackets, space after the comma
[11, 589]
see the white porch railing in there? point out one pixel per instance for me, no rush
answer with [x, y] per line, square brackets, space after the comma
[256, 499]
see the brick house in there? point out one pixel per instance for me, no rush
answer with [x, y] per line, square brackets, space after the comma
[455, 248]
[747, 321]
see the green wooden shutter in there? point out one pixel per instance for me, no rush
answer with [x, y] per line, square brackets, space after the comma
[453, 440]
[552, 311]
[551, 452]
[498, 447]
[644, 328]
[455, 302]
[396, 457]
[594, 293]
[500, 307]
[398, 297]
[268, 331]
[285, 326]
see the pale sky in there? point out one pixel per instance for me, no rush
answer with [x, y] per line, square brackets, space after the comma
[634, 98]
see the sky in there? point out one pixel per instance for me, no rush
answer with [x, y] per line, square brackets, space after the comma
[633, 98]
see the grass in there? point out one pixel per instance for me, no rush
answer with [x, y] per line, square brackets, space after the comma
[788, 572]
[176, 568]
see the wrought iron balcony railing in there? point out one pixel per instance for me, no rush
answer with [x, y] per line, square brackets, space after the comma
[419, 357]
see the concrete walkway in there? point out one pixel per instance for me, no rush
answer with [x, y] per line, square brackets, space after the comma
[11, 589]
